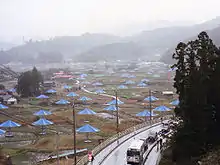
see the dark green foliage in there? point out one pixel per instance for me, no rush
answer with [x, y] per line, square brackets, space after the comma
[197, 82]
[2, 87]
[29, 83]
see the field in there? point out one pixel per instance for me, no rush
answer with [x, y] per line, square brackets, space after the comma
[36, 144]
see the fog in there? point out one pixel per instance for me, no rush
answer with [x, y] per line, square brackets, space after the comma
[46, 18]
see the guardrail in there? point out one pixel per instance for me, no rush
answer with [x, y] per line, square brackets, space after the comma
[103, 145]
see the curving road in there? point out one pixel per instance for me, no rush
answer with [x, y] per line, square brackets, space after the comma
[118, 155]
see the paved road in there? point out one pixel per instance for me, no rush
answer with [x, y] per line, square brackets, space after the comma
[118, 156]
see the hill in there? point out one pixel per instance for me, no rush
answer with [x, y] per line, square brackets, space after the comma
[111, 52]
[91, 47]
[214, 35]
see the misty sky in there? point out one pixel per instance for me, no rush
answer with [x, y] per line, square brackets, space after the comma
[74, 17]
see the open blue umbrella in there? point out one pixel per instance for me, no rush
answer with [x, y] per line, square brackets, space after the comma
[42, 113]
[145, 113]
[84, 98]
[129, 82]
[111, 108]
[13, 90]
[72, 94]
[51, 91]
[2, 132]
[10, 124]
[62, 102]
[125, 75]
[42, 97]
[3, 106]
[67, 87]
[85, 82]
[87, 129]
[122, 87]
[151, 98]
[162, 108]
[175, 102]
[81, 78]
[113, 102]
[83, 75]
[142, 84]
[97, 84]
[42, 122]
[86, 111]
[131, 76]
[145, 80]
[99, 91]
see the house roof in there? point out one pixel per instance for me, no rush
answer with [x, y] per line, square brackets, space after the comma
[6, 97]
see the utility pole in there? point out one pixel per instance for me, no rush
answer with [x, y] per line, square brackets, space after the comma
[74, 133]
[150, 105]
[57, 147]
[117, 117]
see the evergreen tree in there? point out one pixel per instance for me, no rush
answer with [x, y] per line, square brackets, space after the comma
[197, 83]
[29, 83]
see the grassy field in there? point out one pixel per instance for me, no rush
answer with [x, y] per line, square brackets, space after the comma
[63, 119]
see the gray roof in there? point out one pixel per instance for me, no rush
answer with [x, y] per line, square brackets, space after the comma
[6, 97]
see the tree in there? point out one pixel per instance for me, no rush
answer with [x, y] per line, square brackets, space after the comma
[2, 87]
[29, 83]
[197, 84]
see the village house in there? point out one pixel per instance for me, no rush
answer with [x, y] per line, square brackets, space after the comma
[8, 99]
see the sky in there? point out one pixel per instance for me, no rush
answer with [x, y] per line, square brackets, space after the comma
[46, 18]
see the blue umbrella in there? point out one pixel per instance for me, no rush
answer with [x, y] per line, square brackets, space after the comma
[86, 111]
[111, 108]
[51, 91]
[85, 82]
[142, 84]
[10, 124]
[2, 132]
[129, 82]
[87, 129]
[42, 97]
[62, 102]
[97, 84]
[42, 113]
[152, 98]
[162, 108]
[99, 91]
[42, 122]
[145, 113]
[84, 98]
[113, 102]
[3, 106]
[72, 94]
[131, 76]
[122, 87]
[175, 102]
[67, 87]
[80, 78]
[83, 75]
[145, 80]
[125, 75]
[13, 90]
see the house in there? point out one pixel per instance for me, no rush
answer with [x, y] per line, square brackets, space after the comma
[49, 84]
[8, 99]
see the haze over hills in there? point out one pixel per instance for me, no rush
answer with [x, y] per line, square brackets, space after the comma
[93, 47]
[214, 34]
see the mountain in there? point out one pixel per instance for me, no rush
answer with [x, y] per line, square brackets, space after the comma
[111, 52]
[91, 47]
[6, 45]
[147, 44]
[214, 34]
[68, 46]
